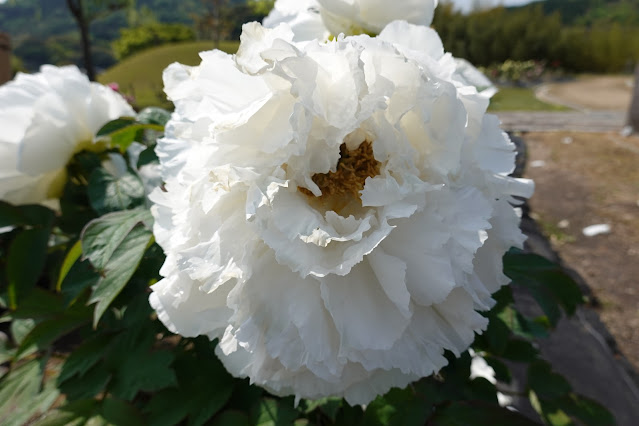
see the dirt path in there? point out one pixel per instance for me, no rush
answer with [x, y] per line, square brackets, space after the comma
[585, 179]
[590, 93]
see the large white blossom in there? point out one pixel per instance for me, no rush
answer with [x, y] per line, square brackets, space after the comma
[335, 213]
[317, 19]
[45, 118]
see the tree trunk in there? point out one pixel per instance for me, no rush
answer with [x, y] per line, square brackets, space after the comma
[633, 112]
[78, 12]
[5, 58]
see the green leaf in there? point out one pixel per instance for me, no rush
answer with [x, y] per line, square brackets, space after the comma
[586, 410]
[109, 193]
[464, 413]
[20, 328]
[90, 384]
[231, 418]
[37, 215]
[327, 406]
[544, 382]
[80, 277]
[72, 256]
[549, 411]
[115, 125]
[143, 371]
[520, 350]
[397, 407]
[102, 236]
[26, 259]
[75, 413]
[497, 335]
[47, 331]
[154, 115]
[547, 281]
[39, 304]
[147, 156]
[84, 357]
[90, 412]
[10, 215]
[522, 326]
[502, 373]
[20, 395]
[121, 266]
[271, 412]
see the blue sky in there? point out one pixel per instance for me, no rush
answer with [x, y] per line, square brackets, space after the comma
[467, 5]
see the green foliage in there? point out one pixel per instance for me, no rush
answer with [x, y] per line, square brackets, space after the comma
[133, 40]
[80, 326]
[605, 40]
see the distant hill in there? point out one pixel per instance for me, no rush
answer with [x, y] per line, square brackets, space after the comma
[43, 31]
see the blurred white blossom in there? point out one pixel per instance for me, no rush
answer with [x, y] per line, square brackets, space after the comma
[334, 212]
[45, 118]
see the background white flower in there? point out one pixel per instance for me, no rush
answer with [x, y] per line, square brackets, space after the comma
[371, 16]
[335, 213]
[45, 118]
[308, 23]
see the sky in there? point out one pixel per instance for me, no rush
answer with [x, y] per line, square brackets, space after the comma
[467, 5]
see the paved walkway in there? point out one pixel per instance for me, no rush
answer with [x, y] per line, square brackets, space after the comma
[543, 121]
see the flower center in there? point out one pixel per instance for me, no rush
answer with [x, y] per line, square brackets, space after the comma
[345, 183]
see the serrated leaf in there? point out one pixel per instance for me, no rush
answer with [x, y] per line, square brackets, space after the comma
[80, 277]
[109, 193]
[90, 384]
[168, 407]
[25, 261]
[397, 407]
[154, 115]
[119, 269]
[549, 411]
[522, 326]
[72, 256]
[464, 413]
[586, 410]
[144, 371]
[102, 236]
[271, 412]
[544, 382]
[84, 357]
[548, 282]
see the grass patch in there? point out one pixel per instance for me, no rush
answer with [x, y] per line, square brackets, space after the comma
[520, 99]
[140, 75]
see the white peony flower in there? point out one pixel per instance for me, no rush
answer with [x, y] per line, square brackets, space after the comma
[304, 19]
[45, 118]
[335, 213]
[318, 19]
[371, 16]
